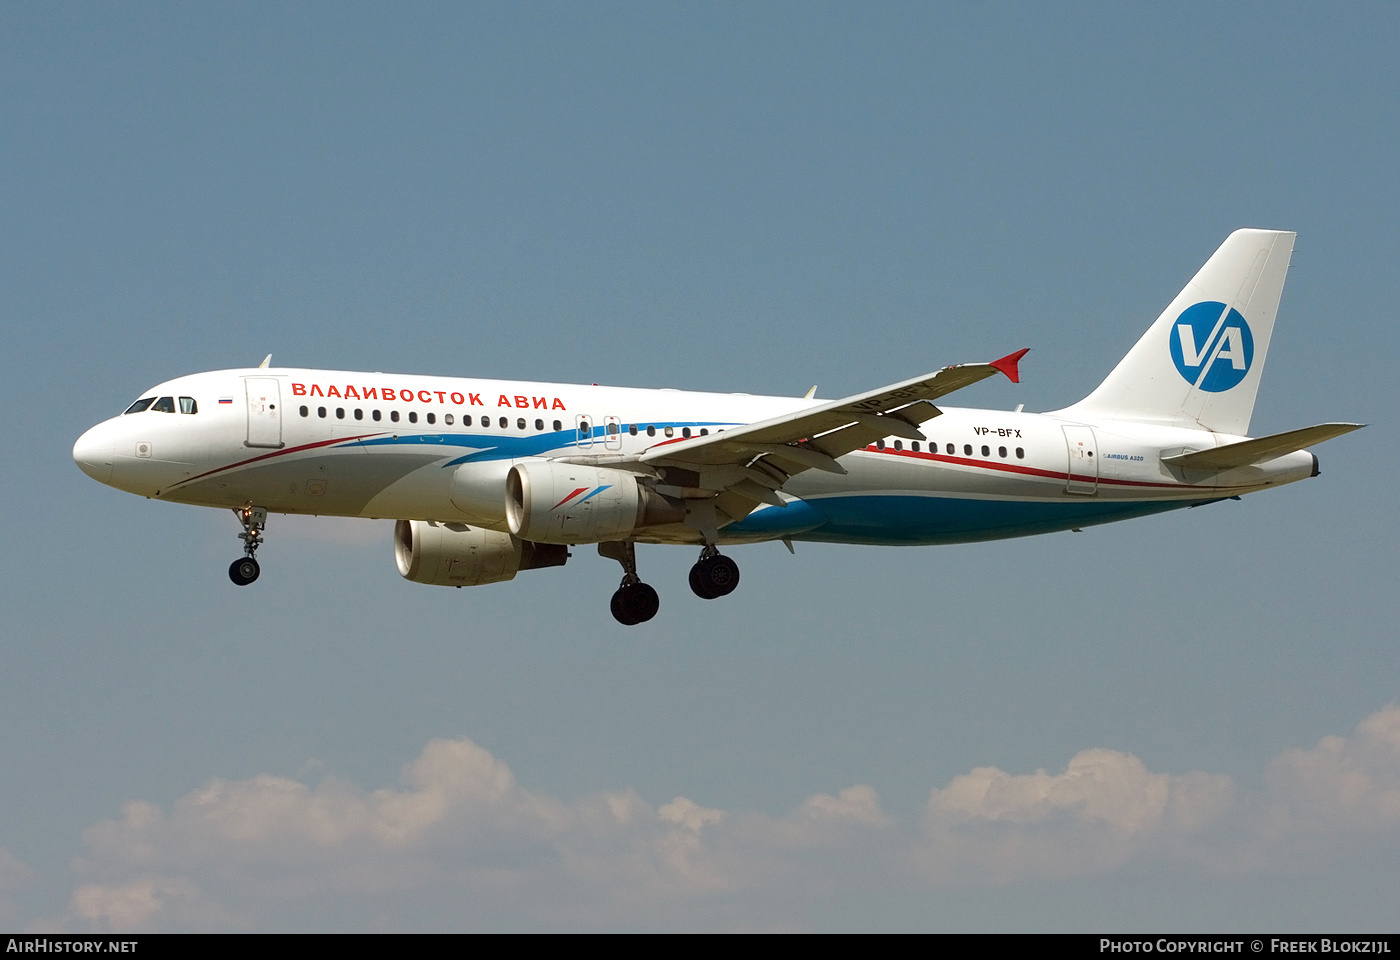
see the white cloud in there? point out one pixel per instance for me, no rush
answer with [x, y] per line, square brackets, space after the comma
[14, 877]
[462, 835]
[1344, 784]
[1105, 808]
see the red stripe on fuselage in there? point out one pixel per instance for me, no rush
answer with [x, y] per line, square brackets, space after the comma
[1018, 468]
[275, 453]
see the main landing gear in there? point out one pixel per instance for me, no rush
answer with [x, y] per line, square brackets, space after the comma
[634, 601]
[245, 570]
[714, 575]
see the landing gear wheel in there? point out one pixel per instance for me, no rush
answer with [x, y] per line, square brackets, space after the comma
[697, 584]
[253, 519]
[714, 576]
[243, 571]
[635, 603]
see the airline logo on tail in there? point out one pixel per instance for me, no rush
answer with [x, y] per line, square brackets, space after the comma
[1212, 346]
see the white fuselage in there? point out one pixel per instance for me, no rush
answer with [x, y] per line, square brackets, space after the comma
[423, 448]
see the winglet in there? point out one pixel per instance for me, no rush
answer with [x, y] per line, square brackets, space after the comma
[267, 361]
[1007, 364]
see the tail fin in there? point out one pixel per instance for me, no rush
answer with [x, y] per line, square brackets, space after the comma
[1199, 365]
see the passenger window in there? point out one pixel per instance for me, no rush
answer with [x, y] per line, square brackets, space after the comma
[359, 414]
[520, 424]
[447, 419]
[558, 426]
[899, 445]
[685, 432]
[879, 444]
[632, 429]
[670, 431]
[986, 451]
[394, 415]
[1001, 452]
[321, 412]
[914, 445]
[952, 449]
[340, 413]
[305, 412]
[1020, 453]
[704, 432]
[413, 416]
[651, 431]
[539, 425]
[374, 414]
[466, 420]
[485, 422]
[432, 418]
[164, 405]
[187, 405]
[967, 449]
[140, 406]
[504, 423]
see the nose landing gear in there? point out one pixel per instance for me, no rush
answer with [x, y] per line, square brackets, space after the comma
[714, 575]
[245, 570]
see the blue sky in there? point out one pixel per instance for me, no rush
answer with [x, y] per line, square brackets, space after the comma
[734, 197]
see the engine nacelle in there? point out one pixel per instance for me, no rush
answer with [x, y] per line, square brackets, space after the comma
[456, 555]
[479, 491]
[554, 502]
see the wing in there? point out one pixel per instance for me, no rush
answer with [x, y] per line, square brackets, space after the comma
[741, 467]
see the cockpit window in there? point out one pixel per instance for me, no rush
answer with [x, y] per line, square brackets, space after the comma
[187, 405]
[140, 405]
[164, 405]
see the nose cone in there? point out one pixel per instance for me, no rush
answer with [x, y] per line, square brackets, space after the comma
[93, 453]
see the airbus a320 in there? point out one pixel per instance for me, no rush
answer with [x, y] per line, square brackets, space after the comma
[488, 478]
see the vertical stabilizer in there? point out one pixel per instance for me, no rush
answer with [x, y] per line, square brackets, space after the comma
[1199, 365]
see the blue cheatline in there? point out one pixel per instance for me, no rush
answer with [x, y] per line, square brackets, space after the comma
[912, 520]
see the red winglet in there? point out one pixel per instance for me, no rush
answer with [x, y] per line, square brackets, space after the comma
[1007, 364]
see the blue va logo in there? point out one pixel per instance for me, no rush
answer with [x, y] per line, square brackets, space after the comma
[1212, 346]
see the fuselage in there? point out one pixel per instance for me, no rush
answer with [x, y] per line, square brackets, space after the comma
[337, 443]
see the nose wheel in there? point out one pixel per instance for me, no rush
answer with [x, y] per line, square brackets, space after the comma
[714, 575]
[245, 570]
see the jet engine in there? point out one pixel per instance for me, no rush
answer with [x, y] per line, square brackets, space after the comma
[479, 491]
[456, 555]
[552, 502]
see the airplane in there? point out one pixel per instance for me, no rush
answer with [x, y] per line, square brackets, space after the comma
[488, 478]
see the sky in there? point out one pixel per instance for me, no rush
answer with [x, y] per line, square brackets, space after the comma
[1187, 722]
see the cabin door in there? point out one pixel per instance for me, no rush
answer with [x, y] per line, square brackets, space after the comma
[1083, 472]
[264, 412]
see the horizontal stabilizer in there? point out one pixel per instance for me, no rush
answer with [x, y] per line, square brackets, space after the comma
[1249, 452]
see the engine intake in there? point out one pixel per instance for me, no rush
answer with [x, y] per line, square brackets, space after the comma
[456, 555]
